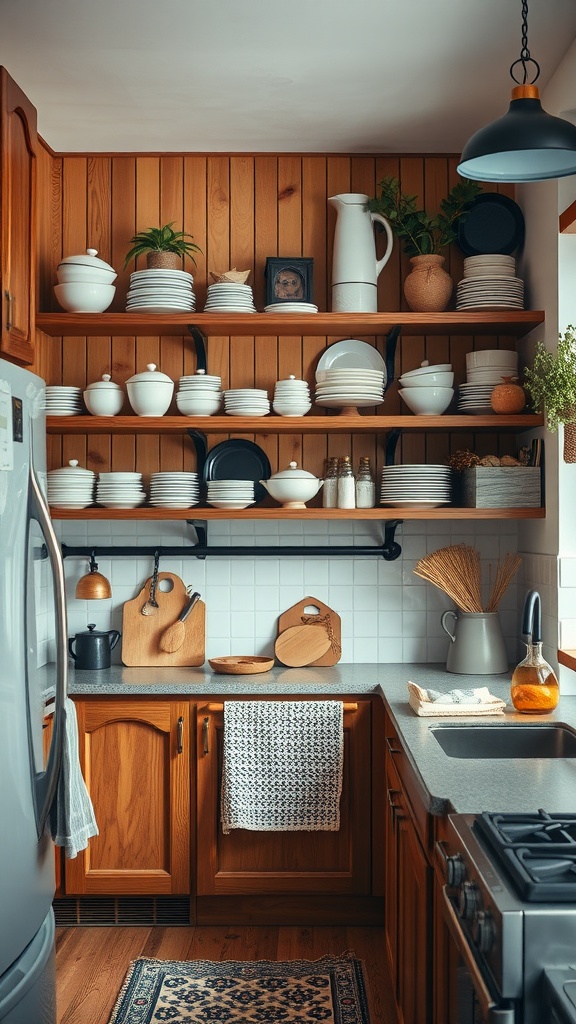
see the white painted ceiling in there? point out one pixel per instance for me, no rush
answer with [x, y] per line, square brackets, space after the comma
[272, 75]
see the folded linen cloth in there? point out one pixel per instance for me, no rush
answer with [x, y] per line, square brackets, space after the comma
[432, 703]
[282, 766]
[72, 820]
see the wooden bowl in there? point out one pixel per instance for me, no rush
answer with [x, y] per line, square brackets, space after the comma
[240, 665]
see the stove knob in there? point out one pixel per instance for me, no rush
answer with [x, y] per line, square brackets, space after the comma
[468, 901]
[455, 870]
[483, 932]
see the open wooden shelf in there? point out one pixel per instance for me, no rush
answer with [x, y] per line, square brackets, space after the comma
[381, 513]
[512, 322]
[329, 424]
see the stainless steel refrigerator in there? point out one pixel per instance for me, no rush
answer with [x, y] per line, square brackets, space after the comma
[32, 607]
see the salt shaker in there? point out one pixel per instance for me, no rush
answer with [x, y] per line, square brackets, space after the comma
[330, 489]
[365, 486]
[346, 484]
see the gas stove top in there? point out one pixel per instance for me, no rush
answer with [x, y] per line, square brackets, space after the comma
[537, 851]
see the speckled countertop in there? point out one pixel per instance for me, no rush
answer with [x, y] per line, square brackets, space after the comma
[448, 783]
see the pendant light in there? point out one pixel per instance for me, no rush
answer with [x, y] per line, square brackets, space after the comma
[93, 586]
[526, 144]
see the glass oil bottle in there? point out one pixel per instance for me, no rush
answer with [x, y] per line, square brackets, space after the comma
[534, 689]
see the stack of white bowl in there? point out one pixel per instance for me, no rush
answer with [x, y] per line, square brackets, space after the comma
[120, 490]
[229, 297]
[246, 402]
[230, 493]
[161, 291]
[360, 387]
[416, 486]
[489, 282]
[427, 390]
[291, 307]
[291, 397]
[199, 394]
[85, 283]
[174, 490]
[63, 401]
[71, 486]
[484, 370]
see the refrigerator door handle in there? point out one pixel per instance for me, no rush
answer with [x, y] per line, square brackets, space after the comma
[47, 781]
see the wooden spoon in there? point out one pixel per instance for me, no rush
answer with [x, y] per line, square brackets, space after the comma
[173, 637]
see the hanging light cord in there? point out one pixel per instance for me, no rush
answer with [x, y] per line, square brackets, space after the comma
[524, 59]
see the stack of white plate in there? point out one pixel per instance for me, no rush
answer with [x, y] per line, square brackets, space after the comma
[120, 490]
[161, 291]
[71, 486]
[246, 402]
[362, 387]
[174, 490]
[484, 370]
[291, 307]
[228, 297]
[489, 283]
[199, 394]
[62, 401]
[416, 486]
[230, 493]
[291, 397]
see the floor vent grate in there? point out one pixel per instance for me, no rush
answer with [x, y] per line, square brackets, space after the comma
[122, 911]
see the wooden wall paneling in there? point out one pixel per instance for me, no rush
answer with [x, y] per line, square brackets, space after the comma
[147, 348]
[438, 347]
[390, 280]
[363, 180]
[99, 235]
[290, 240]
[265, 244]
[220, 352]
[171, 347]
[241, 256]
[412, 448]
[195, 213]
[74, 240]
[338, 180]
[315, 244]
[123, 350]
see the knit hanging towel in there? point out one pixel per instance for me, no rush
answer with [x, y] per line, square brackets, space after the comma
[282, 766]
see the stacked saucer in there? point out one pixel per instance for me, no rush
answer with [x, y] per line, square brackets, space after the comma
[230, 493]
[160, 291]
[291, 397]
[350, 387]
[229, 297]
[416, 486]
[484, 370]
[63, 401]
[120, 490]
[199, 394]
[246, 402]
[489, 283]
[291, 307]
[71, 486]
[174, 490]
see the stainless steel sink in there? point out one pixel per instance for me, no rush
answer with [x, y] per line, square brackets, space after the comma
[505, 741]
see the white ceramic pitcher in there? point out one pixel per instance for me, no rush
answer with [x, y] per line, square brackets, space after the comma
[355, 268]
[476, 645]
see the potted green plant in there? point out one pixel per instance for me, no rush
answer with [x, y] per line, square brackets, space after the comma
[163, 247]
[428, 287]
[551, 384]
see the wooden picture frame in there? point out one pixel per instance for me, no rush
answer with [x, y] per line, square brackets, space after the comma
[288, 279]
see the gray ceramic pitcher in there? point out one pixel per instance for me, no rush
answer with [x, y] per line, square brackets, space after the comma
[476, 644]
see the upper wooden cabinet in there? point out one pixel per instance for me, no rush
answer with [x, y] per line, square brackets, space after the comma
[18, 142]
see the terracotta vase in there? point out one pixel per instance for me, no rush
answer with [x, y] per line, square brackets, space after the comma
[428, 286]
[163, 261]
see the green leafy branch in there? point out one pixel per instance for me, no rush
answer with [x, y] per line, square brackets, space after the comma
[551, 382]
[420, 233]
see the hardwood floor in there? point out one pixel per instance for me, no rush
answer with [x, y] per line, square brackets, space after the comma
[91, 962]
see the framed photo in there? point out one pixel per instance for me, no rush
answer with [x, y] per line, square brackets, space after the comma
[288, 279]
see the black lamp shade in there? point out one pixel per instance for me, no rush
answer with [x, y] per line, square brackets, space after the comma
[526, 144]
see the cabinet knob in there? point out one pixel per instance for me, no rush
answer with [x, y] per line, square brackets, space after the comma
[10, 299]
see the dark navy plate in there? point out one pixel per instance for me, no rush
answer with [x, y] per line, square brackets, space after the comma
[493, 223]
[238, 459]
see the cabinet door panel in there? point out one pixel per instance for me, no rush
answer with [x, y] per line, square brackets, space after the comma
[140, 786]
[280, 862]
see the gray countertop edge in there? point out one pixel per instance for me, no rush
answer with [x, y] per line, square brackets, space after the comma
[448, 784]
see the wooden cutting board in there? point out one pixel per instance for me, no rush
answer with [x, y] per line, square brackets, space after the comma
[318, 616]
[141, 633]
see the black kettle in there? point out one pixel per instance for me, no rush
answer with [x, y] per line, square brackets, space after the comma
[93, 647]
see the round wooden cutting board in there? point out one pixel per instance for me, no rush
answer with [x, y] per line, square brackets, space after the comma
[301, 645]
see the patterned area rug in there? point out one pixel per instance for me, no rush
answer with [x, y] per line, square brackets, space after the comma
[326, 991]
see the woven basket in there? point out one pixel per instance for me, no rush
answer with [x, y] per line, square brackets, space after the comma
[163, 261]
[570, 442]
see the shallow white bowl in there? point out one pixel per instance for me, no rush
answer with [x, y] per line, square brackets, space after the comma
[434, 368]
[82, 297]
[150, 397]
[425, 380]
[490, 357]
[291, 408]
[104, 401]
[427, 401]
[196, 406]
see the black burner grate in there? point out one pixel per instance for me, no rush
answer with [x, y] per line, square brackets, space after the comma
[538, 851]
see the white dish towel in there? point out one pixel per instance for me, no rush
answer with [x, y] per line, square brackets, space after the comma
[432, 703]
[72, 820]
[282, 766]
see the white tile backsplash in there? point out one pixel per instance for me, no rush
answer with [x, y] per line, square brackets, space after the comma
[388, 613]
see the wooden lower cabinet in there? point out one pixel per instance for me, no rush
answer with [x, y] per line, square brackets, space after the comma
[136, 758]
